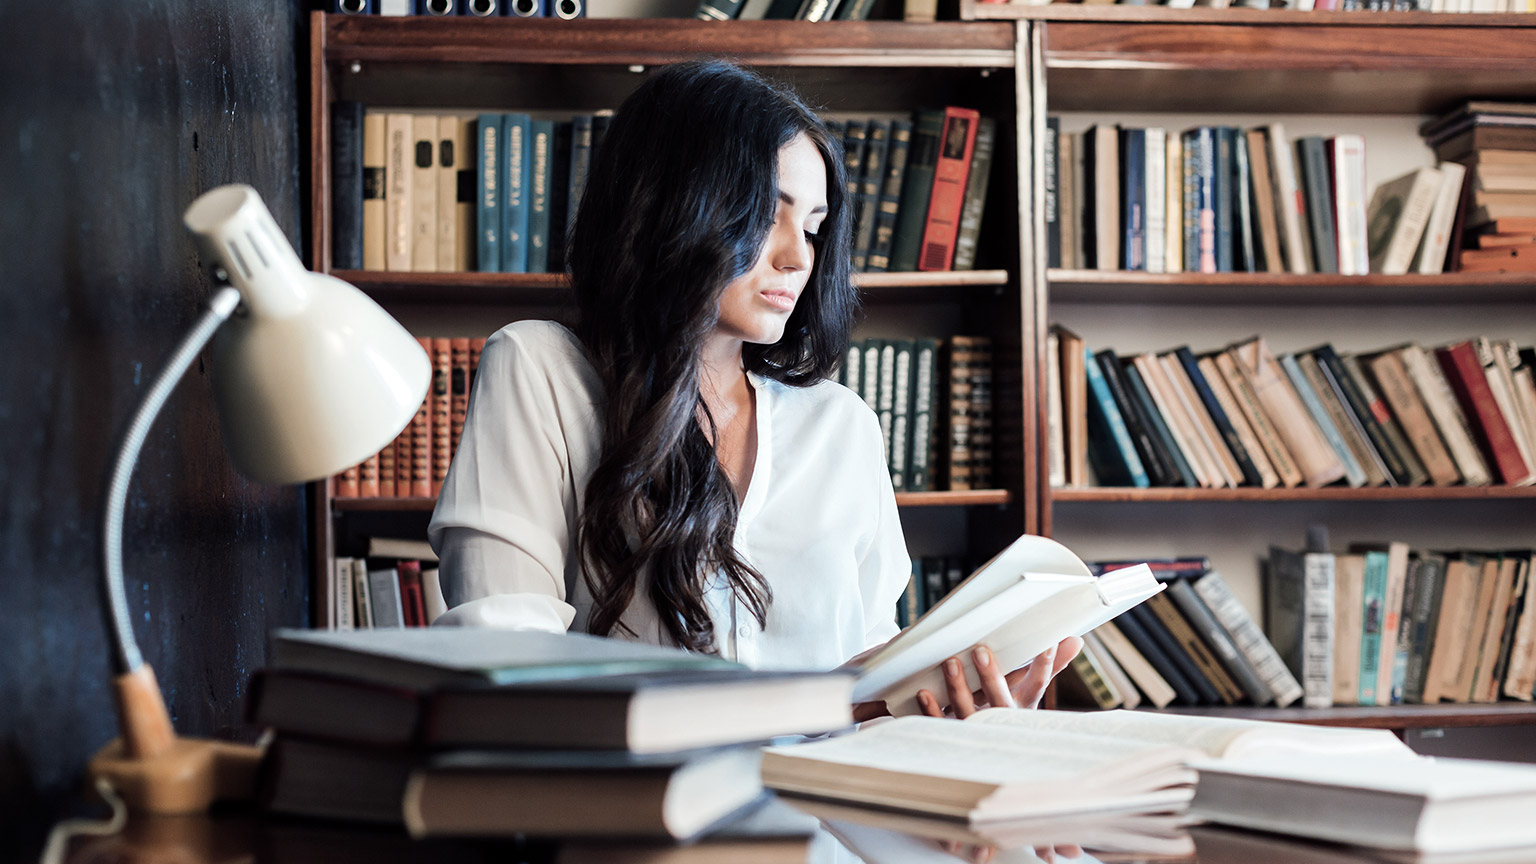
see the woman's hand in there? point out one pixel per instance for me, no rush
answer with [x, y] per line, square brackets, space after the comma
[1021, 688]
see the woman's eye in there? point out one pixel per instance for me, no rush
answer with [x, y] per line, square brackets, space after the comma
[812, 236]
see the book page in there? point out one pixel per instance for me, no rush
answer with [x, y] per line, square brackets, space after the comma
[1218, 737]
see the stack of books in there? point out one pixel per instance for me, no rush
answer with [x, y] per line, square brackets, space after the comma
[473, 732]
[1406, 415]
[1496, 141]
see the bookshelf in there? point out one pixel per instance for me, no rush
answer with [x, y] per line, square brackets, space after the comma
[876, 68]
[1146, 65]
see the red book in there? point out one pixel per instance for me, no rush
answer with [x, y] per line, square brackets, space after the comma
[475, 347]
[421, 441]
[442, 443]
[413, 608]
[1465, 371]
[345, 485]
[956, 143]
[458, 390]
[368, 477]
[403, 461]
[387, 471]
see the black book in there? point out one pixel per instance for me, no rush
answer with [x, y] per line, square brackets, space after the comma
[1219, 641]
[1158, 465]
[1225, 197]
[1052, 195]
[1318, 186]
[1137, 388]
[876, 147]
[1143, 642]
[1251, 476]
[1422, 615]
[1159, 633]
[1388, 440]
[1242, 184]
[347, 185]
[559, 194]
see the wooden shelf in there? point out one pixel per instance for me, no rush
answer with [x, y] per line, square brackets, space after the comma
[528, 289]
[1326, 493]
[1237, 15]
[968, 498]
[1262, 289]
[1387, 717]
[648, 41]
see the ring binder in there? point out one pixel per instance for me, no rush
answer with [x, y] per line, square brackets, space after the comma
[352, 7]
[435, 8]
[525, 9]
[482, 8]
[567, 10]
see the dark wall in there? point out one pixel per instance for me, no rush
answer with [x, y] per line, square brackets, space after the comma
[114, 116]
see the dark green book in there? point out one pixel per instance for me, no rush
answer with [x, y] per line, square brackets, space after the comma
[975, 201]
[916, 189]
[855, 135]
[1423, 617]
[899, 146]
[876, 147]
[925, 406]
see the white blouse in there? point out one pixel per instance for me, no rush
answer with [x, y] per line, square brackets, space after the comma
[819, 519]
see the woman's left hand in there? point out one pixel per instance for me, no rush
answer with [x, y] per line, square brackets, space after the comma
[1021, 688]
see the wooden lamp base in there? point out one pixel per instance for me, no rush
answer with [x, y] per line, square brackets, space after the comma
[155, 771]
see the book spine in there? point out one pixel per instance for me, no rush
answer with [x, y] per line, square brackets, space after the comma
[581, 164]
[1167, 445]
[890, 196]
[963, 357]
[1440, 402]
[441, 412]
[375, 188]
[487, 182]
[1184, 633]
[916, 190]
[1373, 603]
[1224, 197]
[1317, 633]
[1249, 639]
[514, 186]
[1290, 203]
[876, 149]
[924, 404]
[424, 193]
[446, 164]
[387, 471]
[1206, 250]
[1319, 197]
[1220, 642]
[1133, 199]
[342, 603]
[901, 414]
[886, 366]
[1371, 410]
[1155, 143]
[1173, 208]
[368, 477]
[1468, 380]
[1218, 415]
[1156, 626]
[1350, 198]
[421, 437]
[458, 390]
[347, 193]
[1353, 472]
[976, 196]
[1117, 460]
[1243, 203]
[1159, 473]
[1143, 675]
[1136, 633]
[956, 144]
[397, 173]
[1398, 388]
[1424, 621]
[540, 139]
[1102, 222]
[717, 10]
[1052, 195]
[559, 192]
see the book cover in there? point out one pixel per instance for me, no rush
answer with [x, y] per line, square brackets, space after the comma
[957, 141]
[1354, 473]
[890, 195]
[916, 189]
[1317, 181]
[1249, 638]
[516, 129]
[976, 185]
[347, 191]
[1397, 216]
[1299, 617]
[398, 206]
[375, 188]
[441, 411]
[423, 158]
[1343, 420]
[541, 134]
[1136, 386]
[876, 149]
[1133, 199]
[1053, 174]
[1265, 210]
[488, 157]
[1155, 144]
[1114, 456]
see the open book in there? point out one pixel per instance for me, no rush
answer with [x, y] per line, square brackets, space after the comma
[1002, 764]
[1031, 596]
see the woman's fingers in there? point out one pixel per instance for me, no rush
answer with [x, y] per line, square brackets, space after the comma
[960, 700]
[1028, 684]
[930, 705]
[994, 686]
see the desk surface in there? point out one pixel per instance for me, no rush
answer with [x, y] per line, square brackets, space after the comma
[774, 834]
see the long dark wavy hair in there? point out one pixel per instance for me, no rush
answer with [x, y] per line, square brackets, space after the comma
[678, 203]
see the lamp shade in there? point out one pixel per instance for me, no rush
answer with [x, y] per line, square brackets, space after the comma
[311, 376]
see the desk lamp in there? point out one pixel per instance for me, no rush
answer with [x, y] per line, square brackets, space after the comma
[310, 377]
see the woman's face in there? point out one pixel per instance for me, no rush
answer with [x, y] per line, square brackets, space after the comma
[756, 305]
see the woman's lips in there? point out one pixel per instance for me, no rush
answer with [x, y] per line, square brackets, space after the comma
[779, 299]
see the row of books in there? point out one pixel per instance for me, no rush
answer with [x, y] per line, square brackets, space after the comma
[1463, 413]
[1219, 199]
[1496, 141]
[416, 463]
[783, 10]
[373, 593]
[1381, 625]
[919, 187]
[934, 402]
[1329, 5]
[456, 731]
[562, 9]
[429, 192]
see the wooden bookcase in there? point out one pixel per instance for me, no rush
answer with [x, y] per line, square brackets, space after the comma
[1015, 67]
[856, 68]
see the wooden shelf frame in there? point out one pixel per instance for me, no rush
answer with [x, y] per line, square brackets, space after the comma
[965, 498]
[1265, 289]
[1158, 495]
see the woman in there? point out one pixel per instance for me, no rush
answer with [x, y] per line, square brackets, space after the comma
[679, 470]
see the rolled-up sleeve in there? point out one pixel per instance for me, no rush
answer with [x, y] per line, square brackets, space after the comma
[506, 515]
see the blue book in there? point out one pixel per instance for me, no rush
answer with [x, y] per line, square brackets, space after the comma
[1110, 445]
[541, 141]
[1138, 390]
[1200, 176]
[1219, 417]
[488, 210]
[1133, 199]
[1352, 470]
[1372, 614]
[1224, 196]
[581, 163]
[514, 198]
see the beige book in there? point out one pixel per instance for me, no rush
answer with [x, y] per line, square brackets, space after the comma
[375, 189]
[1074, 406]
[1522, 655]
[1354, 437]
[1180, 425]
[1264, 200]
[465, 192]
[1348, 607]
[1403, 397]
[397, 175]
[1130, 697]
[1477, 632]
[1174, 244]
[1525, 398]
[424, 193]
[1501, 382]
[1398, 214]
[1055, 444]
[1148, 680]
[1430, 258]
[1289, 206]
[1085, 684]
[1210, 437]
[1268, 479]
[1106, 195]
[1457, 601]
[448, 158]
[1440, 402]
[1269, 439]
[1069, 208]
[1485, 688]
[1314, 456]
